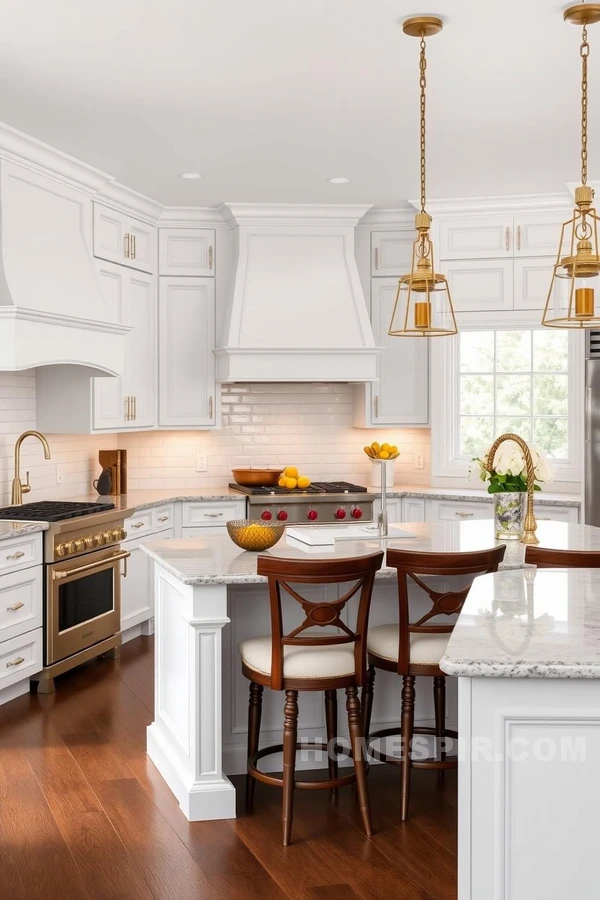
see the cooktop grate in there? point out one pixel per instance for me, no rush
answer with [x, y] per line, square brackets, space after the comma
[317, 487]
[51, 511]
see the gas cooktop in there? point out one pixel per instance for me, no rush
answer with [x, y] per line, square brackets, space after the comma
[52, 511]
[317, 487]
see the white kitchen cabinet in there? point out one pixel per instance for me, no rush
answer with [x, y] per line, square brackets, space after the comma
[477, 285]
[401, 394]
[124, 240]
[476, 237]
[413, 509]
[21, 596]
[458, 510]
[187, 384]
[391, 252]
[557, 513]
[532, 279]
[394, 509]
[137, 589]
[186, 251]
[538, 234]
[208, 513]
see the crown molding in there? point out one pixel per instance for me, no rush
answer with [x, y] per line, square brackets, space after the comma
[508, 203]
[388, 218]
[292, 213]
[191, 217]
[126, 200]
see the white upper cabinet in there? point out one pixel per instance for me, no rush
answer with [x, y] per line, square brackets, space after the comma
[401, 395]
[186, 251]
[391, 252]
[538, 234]
[532, 278]
[187, 385]
[124, 240]
[480, 284]
[475, 237]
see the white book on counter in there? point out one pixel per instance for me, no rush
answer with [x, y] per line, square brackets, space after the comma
[327, 535]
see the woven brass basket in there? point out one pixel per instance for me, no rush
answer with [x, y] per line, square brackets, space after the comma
[255, 535]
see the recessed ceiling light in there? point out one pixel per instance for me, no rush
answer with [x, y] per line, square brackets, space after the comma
[338, 180]
[191, 175]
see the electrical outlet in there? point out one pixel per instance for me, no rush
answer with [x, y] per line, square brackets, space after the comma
[59, 473]
[201, 462]
[419, 461]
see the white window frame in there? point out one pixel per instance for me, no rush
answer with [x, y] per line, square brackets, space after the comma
[445, 400]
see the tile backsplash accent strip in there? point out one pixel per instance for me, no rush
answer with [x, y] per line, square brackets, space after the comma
[77, 455]
[306, 425]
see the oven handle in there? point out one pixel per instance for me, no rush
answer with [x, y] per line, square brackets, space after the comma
[95, 565]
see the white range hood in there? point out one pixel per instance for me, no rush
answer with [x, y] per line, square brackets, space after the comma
[296, 310]
[52, 311]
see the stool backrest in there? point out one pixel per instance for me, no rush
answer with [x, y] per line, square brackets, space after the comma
[410, 565]
[563, 559]
[282, 573]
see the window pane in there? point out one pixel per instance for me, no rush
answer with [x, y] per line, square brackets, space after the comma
[513, 351]
[515, 425]
[550, 351]
[513, 395]
[550, 395]
[476, 351]
[476, 434]
[552, 436]
[476, 394]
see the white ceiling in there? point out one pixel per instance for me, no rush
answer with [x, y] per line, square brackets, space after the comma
[269, 98]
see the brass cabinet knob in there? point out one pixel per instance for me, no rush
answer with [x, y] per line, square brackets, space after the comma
[61, 550]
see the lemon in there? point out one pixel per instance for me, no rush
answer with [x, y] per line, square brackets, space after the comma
[290, 483]
[303, 482]
[385, 454]
[291, 472]
[385, 447]
[393, 449]
[282, 481]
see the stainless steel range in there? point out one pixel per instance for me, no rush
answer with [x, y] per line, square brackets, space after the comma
[322, 502]
[82, 581]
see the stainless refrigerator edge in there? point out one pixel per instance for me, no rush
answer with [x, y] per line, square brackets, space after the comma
[592, 429]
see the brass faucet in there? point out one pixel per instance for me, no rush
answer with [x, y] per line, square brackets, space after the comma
[18, 488]
[529, 535]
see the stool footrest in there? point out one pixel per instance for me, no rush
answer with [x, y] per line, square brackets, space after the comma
[449, 762]
[273, 780]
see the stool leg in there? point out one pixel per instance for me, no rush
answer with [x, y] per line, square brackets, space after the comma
[290, 732]
[332, 726]
[254, 713]
[439, 700]
[408, 724]
[358, 756]
[367, 701]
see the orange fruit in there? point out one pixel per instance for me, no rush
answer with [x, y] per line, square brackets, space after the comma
[282, 481]
[290, 483]
[303, 482]
[291, 471]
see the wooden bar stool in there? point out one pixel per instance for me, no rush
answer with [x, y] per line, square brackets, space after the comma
[416, 648]
[563, 559]
[304, 660]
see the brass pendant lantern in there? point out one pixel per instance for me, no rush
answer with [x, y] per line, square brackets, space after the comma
[572, 299]
[423, 306]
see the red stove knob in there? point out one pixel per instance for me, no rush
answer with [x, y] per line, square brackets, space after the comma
[282, 515]
[312, 514]
[340, 513]
[357, 513]
[266, 514]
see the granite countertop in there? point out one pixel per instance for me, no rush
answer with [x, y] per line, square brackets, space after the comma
[9, 529]
[542, 498]
[530, 623]
[215, 559]
[145, 499]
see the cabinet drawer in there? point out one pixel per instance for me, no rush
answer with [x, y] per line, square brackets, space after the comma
[460, 511]
[140, 523]
[198, 515]
[20, 553]
[20, 602]
[162, 518]
[20, 657]
[557, 514]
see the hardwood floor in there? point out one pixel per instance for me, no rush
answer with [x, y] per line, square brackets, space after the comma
[85, 816]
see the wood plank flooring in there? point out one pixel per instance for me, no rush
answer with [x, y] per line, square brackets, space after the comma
[84, 815]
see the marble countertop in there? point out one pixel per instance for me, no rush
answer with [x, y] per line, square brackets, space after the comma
[529, 623]
[215, 559]
[9, 529]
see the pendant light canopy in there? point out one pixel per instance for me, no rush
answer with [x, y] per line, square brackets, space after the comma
[423, 306]
[573, 301]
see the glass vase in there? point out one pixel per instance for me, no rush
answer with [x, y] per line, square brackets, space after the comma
[509, 515]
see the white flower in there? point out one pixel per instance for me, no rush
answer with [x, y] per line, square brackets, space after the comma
[509, 459]
[543, 467]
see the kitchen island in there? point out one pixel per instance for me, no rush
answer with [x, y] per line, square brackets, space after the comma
[209, 598]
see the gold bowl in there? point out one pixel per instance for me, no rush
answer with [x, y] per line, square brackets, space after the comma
[255, 535]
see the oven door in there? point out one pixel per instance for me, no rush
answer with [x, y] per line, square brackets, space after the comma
[83, 602]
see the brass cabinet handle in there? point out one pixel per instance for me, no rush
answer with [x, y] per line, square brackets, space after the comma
[134, 405]
[127, 246]
[210, 258]
[376, 256]
[133, 246]
[15, 606]
[127, 415]
[507, 238]
[518, 237]
[210, 407]
[464, 515]
[376, 405]
[65, 573]
[212, 515]
[16, 555]
[15, 662]
[163, 518]
[138, 524]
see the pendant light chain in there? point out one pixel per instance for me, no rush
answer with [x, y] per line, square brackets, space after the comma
[585, 52]
[423, 85]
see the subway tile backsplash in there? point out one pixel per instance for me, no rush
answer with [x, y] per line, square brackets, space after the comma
[307, 425]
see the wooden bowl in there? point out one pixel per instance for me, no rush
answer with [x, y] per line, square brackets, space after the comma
[256, 477]
[255, 535]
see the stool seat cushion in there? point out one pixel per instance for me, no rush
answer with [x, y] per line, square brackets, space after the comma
[425, 649]
[300, 662]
